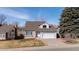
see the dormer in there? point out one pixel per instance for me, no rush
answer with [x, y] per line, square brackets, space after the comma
[45, 25]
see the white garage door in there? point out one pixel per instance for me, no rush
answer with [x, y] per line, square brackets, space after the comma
[47, 35]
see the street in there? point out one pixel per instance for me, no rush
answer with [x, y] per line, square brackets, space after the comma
[60, 49]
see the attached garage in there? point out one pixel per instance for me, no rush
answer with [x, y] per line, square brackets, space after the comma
[47, 35]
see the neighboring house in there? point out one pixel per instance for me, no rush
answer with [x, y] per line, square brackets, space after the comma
[20, 31]
[40, 29]
[7, 32]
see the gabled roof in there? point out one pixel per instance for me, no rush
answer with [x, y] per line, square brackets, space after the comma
[34, 25]
[6, 28]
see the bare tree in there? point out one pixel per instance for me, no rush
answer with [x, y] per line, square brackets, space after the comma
[16, 24]
[16, 29]
[2, 19]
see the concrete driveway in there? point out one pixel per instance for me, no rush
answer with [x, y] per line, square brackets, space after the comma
[53, 42]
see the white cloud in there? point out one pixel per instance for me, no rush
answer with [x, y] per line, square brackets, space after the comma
[13, 13]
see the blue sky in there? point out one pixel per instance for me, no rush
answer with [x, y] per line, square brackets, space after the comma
[23, 14]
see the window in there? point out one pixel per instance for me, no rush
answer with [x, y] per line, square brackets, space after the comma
[49, 26]
[2, 35]
[12, 30]
[29, 33]
[44, 26]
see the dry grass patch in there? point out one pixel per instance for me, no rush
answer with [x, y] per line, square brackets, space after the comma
[71, 41]
[21, 43]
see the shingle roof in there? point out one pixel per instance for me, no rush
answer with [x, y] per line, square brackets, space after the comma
[6, 28]
[34, 25]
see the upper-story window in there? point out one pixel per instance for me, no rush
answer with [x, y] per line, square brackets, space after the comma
[12, 30]
[44, 26]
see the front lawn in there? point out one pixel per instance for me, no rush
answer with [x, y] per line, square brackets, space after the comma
[21, 43]
[71, 41]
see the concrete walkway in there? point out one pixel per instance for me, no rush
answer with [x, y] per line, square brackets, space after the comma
[50, 44]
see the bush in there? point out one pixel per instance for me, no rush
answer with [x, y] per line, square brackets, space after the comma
[20, 37]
